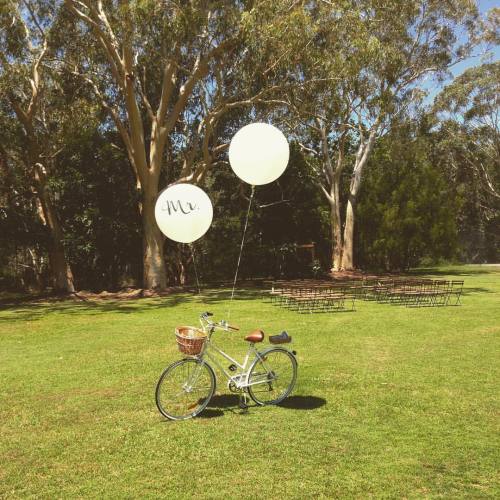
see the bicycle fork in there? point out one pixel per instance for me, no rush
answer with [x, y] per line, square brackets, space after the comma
[192, 379]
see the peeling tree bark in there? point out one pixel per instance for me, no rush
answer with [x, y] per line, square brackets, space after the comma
[343, 241]
[154, 272]
[336, 225]
[332, 175]
[362, 155]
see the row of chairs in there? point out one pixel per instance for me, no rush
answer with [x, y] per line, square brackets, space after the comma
[414, 292]
[324, 296]
[309, 297]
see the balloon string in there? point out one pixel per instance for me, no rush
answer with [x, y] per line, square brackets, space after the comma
[241, 252]
[195, 270]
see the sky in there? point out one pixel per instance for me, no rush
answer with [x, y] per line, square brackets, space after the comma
[434, 87]
[484, 7]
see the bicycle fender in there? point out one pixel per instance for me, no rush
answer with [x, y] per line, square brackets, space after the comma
[274, 348]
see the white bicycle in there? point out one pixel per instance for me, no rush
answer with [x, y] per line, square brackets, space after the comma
[186, 386]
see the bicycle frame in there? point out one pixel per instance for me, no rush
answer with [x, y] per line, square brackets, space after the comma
[186, 386]
[240, 379]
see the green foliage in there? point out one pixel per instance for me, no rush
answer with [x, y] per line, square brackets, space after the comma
[467, 148]
[474, 95]
[284, 215]
[407, 211]
[341, 66]
[99, 210]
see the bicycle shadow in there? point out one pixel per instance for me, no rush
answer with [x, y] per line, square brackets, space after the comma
[303, 403]
[222, 403]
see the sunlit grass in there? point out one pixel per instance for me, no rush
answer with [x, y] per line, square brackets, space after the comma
[390, 401]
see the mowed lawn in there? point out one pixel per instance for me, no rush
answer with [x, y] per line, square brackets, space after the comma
[390, 402]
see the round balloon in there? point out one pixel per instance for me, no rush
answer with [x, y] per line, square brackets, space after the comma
[183, 212]
[259, 153]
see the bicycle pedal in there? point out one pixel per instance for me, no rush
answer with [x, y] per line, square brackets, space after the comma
[232, 368]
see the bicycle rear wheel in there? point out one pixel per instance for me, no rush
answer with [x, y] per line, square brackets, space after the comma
[185, 389]
[272, 376]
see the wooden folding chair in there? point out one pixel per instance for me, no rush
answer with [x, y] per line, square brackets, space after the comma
[456, 288]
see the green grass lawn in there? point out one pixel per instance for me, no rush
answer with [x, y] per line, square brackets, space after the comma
[390, 402]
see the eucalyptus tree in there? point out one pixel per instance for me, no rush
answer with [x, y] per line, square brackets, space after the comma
[166, 72]
[369, 59]
[467, 146]
[469, 114]
[26, 86]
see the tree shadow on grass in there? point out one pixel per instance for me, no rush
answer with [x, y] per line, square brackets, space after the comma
[431, 271]
[36, 309]
[474, 290]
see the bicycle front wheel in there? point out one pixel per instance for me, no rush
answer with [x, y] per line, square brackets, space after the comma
[272, 376]
[185, 389]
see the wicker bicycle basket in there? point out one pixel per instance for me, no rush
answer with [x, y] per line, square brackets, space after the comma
[190, 340]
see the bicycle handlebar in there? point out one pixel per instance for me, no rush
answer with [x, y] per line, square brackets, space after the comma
[224, 325]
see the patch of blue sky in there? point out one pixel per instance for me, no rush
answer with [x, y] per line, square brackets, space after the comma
[433, 86]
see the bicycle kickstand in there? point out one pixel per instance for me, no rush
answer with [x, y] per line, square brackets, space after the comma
[243, 401]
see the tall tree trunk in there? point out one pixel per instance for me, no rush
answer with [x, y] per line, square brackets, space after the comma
[154, 270]
[362, 155]
[60, 269]
[348, 247]
[336, 226]
[332, 191]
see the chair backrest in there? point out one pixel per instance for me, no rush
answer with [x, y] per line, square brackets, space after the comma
[456, 286]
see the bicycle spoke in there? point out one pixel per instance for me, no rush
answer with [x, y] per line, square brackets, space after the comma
[272, 377]
[185, 389]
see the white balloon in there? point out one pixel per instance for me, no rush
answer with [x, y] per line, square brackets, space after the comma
[259, 153]
[183, 212]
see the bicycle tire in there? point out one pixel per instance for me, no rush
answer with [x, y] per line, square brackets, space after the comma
[179, 405]
[267, 365]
